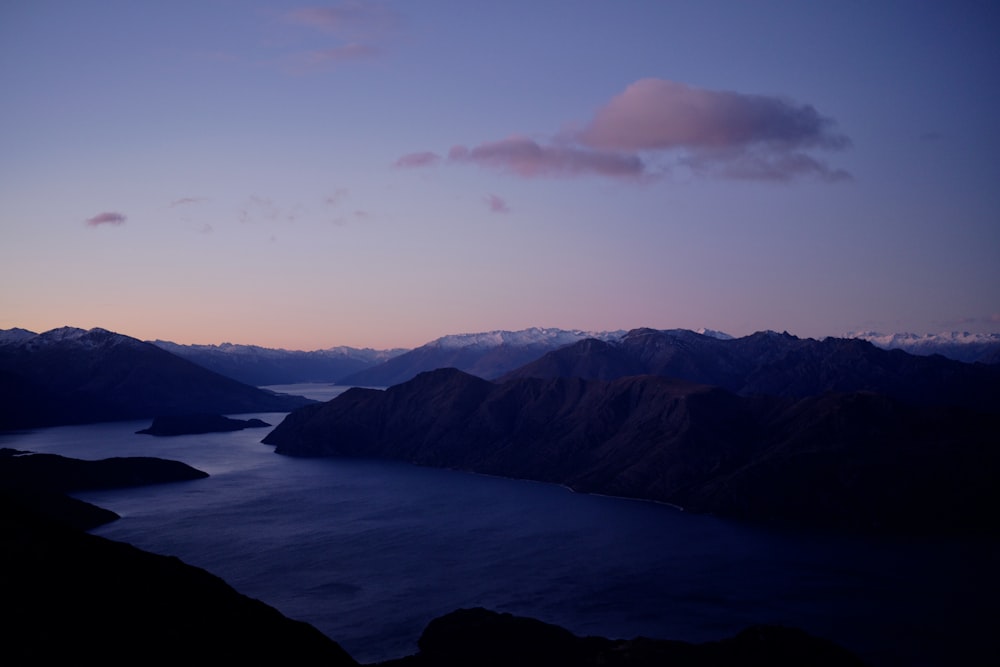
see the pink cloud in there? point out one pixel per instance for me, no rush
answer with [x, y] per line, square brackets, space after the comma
[496, 204]
[357, 26]
[655, 125]
[421, 159]
[108, 218]
[526, 157]
[654, 114]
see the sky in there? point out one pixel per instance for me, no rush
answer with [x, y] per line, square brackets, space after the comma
[379, 174]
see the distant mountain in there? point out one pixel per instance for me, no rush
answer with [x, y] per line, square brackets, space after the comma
[73, 376]
[775, 364]
[858, 461]
[958, 345]
[259, 366]
[487, 355]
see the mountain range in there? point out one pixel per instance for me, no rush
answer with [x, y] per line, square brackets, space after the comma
[957, 345]
[492, 354]
[261, 366]
[771, 427]
[489, 355]
[775, 364]
[75, 376]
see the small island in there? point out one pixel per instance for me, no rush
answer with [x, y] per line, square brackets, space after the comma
[200, 423]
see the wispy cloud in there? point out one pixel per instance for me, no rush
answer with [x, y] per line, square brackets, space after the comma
[338, 196]
[526, 157]
[261, 209]
[421, 159]
[108, 218]
[496, 204]
[656, 125]
[184, 201]
[348, 18]
[357, 27]
[761, 166]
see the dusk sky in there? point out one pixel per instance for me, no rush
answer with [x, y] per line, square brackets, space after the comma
[379, 174]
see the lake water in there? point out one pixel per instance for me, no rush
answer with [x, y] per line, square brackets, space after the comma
[370, 551]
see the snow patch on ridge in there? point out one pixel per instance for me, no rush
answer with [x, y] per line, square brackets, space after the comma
[958, 345]
[533, 337]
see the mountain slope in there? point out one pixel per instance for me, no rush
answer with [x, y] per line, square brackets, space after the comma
[858, 461]
[957, 345]
[258, 366]
[72, 376]
[487, 355]
[776, 364]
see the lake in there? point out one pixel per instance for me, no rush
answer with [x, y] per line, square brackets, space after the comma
[370, 551]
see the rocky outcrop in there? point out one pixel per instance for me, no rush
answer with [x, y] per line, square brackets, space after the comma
[202, 423]
[856, 461]
[490, 639]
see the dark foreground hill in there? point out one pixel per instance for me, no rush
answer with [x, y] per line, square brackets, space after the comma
[776, 365]
[75, 598]
[72, 376]
[488, 639]
[857, 461]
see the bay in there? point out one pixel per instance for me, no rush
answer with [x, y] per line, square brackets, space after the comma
[370, 551]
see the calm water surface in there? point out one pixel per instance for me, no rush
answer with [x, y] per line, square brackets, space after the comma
[370, 551]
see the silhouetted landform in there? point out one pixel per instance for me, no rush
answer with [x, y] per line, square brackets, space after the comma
[80, 598]
[958, 345]
[201, 423]
[72, 376]
[260, 366]
[857, 461]
[487, 355]
[51, 472]
[76, 598]
[489, 639]
[40, 482]
[775, 364]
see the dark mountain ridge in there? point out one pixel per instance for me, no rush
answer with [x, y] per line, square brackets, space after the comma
[775, 364]
[72, 592]
[857, 461]
[487, 355]
[72, 376]
[259, 366]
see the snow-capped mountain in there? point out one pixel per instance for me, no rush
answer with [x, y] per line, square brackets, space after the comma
[958, 345]
[74, 376]
[712, 333]
[533, 337]
[489, 354]
[260, 366]
[15, 336]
